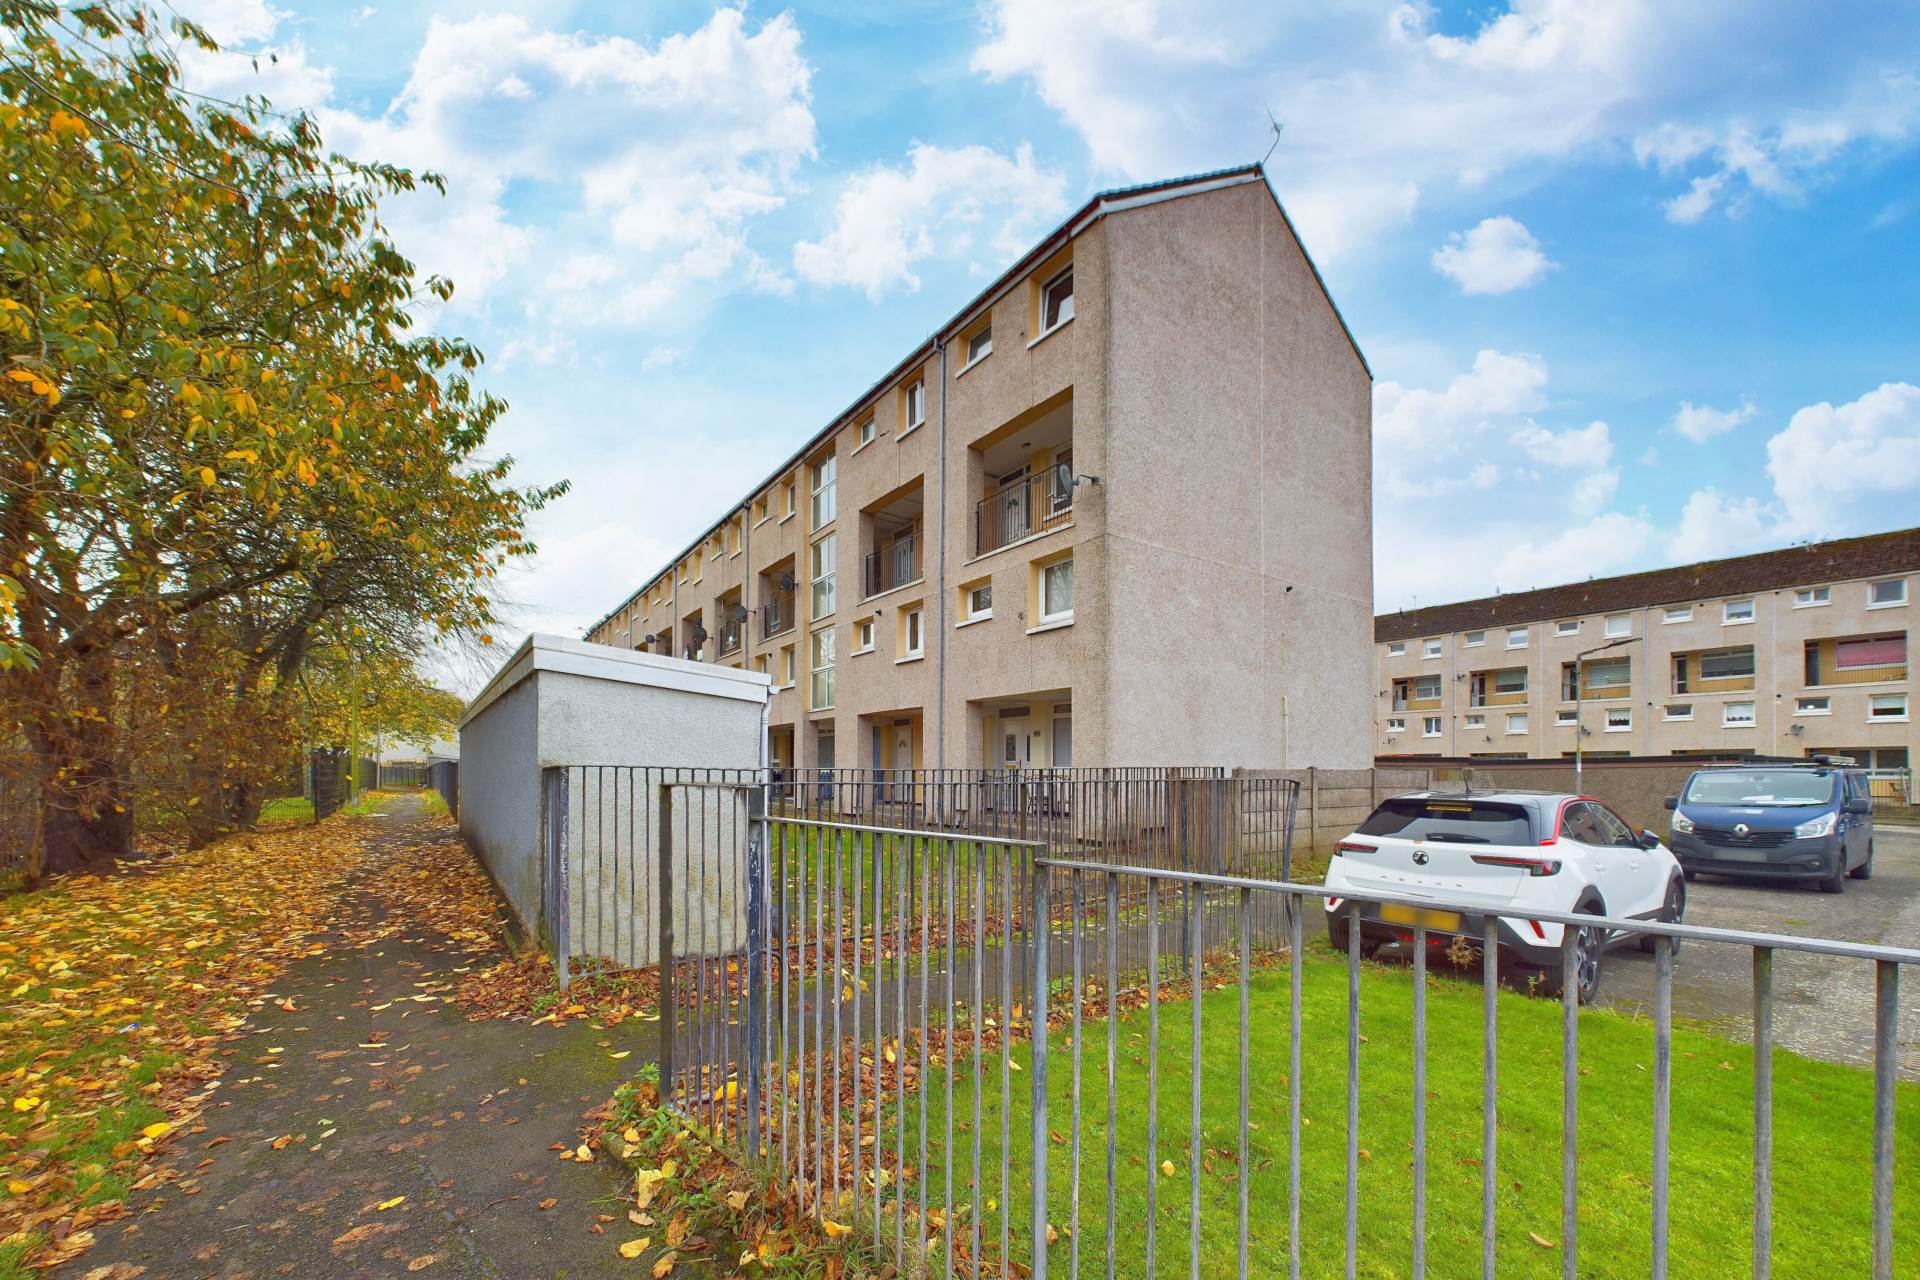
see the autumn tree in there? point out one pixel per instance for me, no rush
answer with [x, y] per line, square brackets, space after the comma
[220, 435]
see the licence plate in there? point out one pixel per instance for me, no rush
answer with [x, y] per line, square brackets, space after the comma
[1394, 914]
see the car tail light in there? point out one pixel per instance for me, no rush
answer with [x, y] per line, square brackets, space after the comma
[1356, 846]
[1532, 866]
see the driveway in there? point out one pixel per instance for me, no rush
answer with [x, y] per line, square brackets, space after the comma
[1823, 1006]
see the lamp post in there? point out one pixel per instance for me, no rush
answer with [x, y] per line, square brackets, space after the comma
[1579, 703]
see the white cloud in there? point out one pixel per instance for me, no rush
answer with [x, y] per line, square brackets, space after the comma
[1607, 543]
[889, 218]
[1386, 113]
[1713, 525]
[1700, 423]
[1836, 470]
[1588, 446]
[1497, 256]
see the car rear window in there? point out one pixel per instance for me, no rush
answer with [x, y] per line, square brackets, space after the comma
[1762, 787]
[1462, 821]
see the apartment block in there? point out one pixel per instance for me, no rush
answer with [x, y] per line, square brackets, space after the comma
[1795, 652]
[1116, 511]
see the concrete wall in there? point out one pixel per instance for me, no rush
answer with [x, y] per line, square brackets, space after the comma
[1635, 789]
[1332, 803]
[566, 702]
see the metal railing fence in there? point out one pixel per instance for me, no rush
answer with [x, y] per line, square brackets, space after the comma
[1032, 504]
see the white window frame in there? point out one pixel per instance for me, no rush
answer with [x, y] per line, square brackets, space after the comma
[823, 582]
[1616, 624]
[1056, 616]
[1478, 720]
[1567, 628]
[1432, 647]
[1523, 632]
[914, 407]
[822, 480]
[1566, 716]
[1728, 722]
[1676, 613]
[1617, 720]
[1517, 722]
[1396, 724]
[816, 669]
[789, 665]
[1677, 711]
[1439, 690]
[1727, 618]
[1813, 705]
[1432, 727]
[1065, 315]
[863, 630]
[1468, 642]
[974, 356]
[973, 614]
[1812, 597]
[1875, 702]
[1493, 685]
[913, 633]
[1396, 648]
[1872, 587]
[868, 431]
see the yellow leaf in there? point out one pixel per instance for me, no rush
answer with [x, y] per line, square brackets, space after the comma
[155, 1129]
[207, 477]
[634, 1248]
[631, 1135]
[583, 1154]
[18, 1188]
[834, 1229]
[736, 1200]
[1166, 1167]
[385, 1205]
[617, 1056]
[663, 1267]
[25, 1104]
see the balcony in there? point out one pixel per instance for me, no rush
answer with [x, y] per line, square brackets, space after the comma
[1856, 660]
[777, 614]
[1714, 670]
[894, 565]
[1030, 504]
[730, 634]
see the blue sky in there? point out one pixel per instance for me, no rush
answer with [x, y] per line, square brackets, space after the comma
[1636, 285]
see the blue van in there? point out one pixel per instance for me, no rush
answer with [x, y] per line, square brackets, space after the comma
[1790, 821]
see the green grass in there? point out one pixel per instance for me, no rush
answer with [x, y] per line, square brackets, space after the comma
[287, 809]
[1822, 1168]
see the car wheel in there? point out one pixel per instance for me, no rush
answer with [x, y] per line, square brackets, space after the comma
[1865, 870]
[1838, 880]
[1672, 911]
[1589, 946]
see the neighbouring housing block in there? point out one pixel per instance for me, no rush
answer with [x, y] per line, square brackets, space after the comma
[1117, 511]
[1796, 652]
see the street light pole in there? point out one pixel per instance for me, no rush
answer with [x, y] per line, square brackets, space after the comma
[1579, 704]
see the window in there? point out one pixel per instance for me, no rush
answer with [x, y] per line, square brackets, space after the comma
[1430, 726]
[1476, 722]
[763, 664]
[1737, 715]
[1618, 624]
[1619, 719]
[1812, 597]
[1727, 664]
[1570, 628]
[1430, 648]
[1511, 680]
[867, 431]
[823, 499]
[1516, 637]
[786, 666]
[913, 406]
[1608, 675]
[1516, 722]
[1056, 592]
[1427, 688]
[1870, 652]
[1678, 613]
[980, 345]
[976, 601]
[1056, 302]
[820, 663]
[1396, 723]
[787, 489]
[1886, 593]
[863, 636]
[1474, 639]
[1887, 706]
[1736, 611]
[1396, 648]
[913, 632]
[824, 563]
[1679, 711]
[1813, 706]
[760, 510]
[1565, 715]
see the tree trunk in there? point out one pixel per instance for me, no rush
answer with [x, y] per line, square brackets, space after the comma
[86, 811]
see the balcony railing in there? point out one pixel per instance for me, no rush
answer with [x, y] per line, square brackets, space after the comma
[892, 566]
[776, 615]
[730, 638]
[1032, 504]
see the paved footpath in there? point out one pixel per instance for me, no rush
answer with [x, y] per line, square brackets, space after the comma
[311, 1129]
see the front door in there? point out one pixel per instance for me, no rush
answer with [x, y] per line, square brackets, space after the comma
[1013, 743]
[902, 747]
[1062, 742]
[1013, 506]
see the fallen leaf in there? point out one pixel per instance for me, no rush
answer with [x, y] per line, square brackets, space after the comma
[1540, 1240]
[422, 1262]
[663, 1267]
[385, 1205]
[548, 1203]
[634, 1248]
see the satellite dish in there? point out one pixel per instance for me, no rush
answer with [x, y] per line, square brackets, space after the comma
[737, 613]
[699, 633]
[786, 582]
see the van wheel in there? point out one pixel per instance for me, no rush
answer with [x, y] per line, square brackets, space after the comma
[1865, 870]
[1589, 946]
[1672, 911]
[1838, 880]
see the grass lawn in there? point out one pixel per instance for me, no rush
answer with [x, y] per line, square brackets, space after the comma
[287, 809]
[1822, 1167]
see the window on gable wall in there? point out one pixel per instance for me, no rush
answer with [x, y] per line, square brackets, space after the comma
[980, 345]
[1056, 301]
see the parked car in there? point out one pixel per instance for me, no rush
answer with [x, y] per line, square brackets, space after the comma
[1787, 821]
[1498, 854]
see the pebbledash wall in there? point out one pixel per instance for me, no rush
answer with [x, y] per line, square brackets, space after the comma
[565, 702]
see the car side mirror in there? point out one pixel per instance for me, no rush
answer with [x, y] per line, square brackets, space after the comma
[1648, 840]
[1859, 804]
[1672, 802]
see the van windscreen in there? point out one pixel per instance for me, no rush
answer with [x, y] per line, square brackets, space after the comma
[1761, 787]
[1460, 821]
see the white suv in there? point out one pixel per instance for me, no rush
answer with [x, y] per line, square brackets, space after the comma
[1497, 854]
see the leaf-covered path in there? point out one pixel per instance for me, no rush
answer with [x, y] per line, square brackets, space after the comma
[365, 1127]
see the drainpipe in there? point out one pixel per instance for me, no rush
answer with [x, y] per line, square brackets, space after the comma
[940, 578]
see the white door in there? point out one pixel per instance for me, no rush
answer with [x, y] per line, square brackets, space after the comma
[1013, 743]
[903, 746]
[1062, 742]
[1013, 506]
